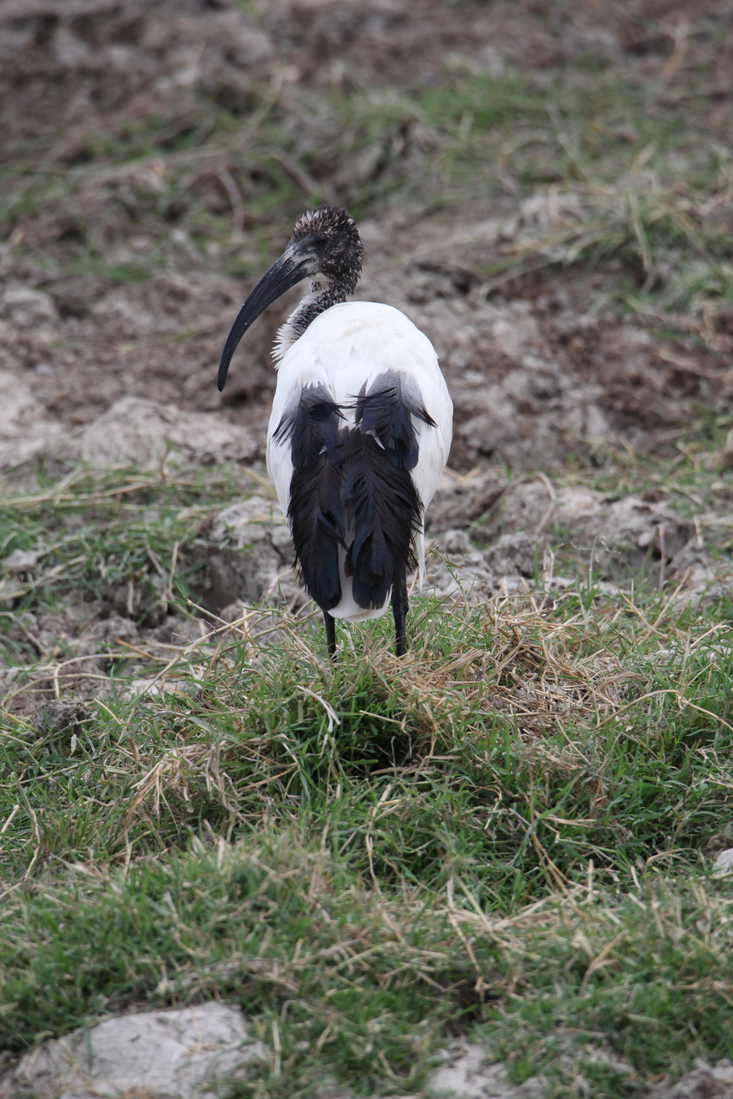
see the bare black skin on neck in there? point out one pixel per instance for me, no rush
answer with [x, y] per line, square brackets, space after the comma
[330, 235]
[325, 246]
[317, 302]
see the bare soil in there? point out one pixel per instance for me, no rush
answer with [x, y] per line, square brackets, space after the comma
[537, 370]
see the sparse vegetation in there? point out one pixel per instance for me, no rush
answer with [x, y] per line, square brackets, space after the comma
[639, 171]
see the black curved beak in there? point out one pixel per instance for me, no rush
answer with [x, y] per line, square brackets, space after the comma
[284, 273]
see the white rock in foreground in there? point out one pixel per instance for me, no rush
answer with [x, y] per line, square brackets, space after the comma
[470, 1075]
[724, 862]
[703, 1082]
[195, 1051]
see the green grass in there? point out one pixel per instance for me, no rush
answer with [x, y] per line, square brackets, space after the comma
[361, 984]
[499, 774]
[500, 836]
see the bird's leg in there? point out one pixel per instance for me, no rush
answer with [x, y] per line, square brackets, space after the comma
[399, 610]
[330, 634]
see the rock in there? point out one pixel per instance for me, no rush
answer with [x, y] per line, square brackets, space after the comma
[27, 308]
[141, 432]
[519, 521]
[235, 611]
[620, 533]
[470, 1075]
[461, 501]
[720, 840]
[724, 862]
[120, 305]
[579, 505]
[24, 431]
[151, 686]
[698, 577]
[74, 295]
[232, 575]
[633, 527]
[258, 519]
[249, 556]
[514, 333]
[456, 542]
[19, 562]
[454, 567]
[704, 1082]
[189, 631]
[264, 624]
[522, 507]
[10, 590]
[195, 1051]
[512, 554]
[457, 567]
[115, 630]
[64, 716]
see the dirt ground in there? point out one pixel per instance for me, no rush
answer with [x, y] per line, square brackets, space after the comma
[542, 371]
[536, 369]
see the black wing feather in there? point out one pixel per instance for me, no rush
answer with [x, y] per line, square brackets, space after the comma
[315, 510]
[386, 412]
[352, 488]
[385, 513]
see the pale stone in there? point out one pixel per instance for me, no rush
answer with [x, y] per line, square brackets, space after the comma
[178, 1054]
[143, 432]
[471, 1075]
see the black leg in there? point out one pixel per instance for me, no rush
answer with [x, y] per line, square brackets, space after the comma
[399, 610]
[330, 634]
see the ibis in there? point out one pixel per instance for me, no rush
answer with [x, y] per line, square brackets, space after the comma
[360, 427]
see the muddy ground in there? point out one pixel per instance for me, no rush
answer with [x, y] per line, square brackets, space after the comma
[536, 366]
[546, 374]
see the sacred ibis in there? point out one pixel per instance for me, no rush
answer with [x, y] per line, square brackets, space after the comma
[360, 427]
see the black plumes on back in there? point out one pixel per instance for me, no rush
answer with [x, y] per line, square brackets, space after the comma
[316, 511]
[386, 412]
[385, 512]
[351, 489]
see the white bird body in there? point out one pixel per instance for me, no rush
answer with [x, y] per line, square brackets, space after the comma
[346, 348]
[360, 427]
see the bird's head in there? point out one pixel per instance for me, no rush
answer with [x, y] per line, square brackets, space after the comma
[327, 241]
[325, 246]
